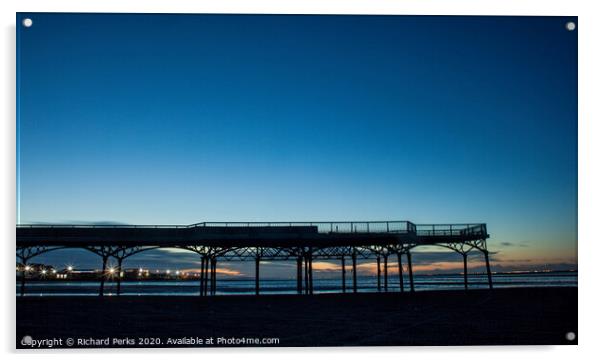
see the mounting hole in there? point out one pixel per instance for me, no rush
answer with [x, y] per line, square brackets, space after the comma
[570, 26]
[570, 336]
[27, 22]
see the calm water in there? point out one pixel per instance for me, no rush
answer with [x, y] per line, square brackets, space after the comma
[247, 286]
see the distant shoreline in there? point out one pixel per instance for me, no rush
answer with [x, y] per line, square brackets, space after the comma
[316, 276]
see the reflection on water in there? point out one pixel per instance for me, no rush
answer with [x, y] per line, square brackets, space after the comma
[247, 286]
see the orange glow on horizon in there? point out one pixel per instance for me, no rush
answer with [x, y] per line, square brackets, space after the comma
[223, 271]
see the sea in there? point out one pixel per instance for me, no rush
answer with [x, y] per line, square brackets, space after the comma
[289, 286]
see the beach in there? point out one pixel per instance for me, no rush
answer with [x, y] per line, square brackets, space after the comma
[528, 316]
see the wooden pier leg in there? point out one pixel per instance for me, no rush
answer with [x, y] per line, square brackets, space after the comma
[486, 252]
[343, 273]
[119, 263]
[386, 274]
[299, 275]
[257, 260]
[354, 261]
[202, 277]
[400, 267]
[410, 271]
[101, 292]
[378, 273]
[465, 257]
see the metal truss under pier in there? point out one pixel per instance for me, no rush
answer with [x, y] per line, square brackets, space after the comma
[303, 242]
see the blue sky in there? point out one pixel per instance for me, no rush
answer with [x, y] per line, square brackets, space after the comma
[163, 119]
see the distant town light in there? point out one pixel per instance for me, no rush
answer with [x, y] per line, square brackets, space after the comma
[70, 268]
[27, 268]
[43, 271]
[111, 270]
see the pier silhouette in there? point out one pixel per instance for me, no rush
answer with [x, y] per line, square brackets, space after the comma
[303, 242]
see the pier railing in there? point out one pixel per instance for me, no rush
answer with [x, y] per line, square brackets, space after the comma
[451, 229]
[398, 227]
[323, 227]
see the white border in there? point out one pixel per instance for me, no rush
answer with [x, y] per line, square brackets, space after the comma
[590, 58]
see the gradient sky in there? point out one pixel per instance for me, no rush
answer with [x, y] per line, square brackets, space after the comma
[176, 119]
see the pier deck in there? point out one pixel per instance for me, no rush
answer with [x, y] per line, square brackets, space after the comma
[257, 241]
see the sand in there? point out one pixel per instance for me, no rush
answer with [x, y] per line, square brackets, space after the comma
[476, 317]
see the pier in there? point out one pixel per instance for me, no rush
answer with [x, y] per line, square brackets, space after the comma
[384, 241]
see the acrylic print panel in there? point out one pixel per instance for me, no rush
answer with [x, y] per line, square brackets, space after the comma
[289, 180]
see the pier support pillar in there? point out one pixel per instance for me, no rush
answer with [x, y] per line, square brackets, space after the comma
[306, 267]
[465, 257]
[343, 273]
[213, 276]
[311, 273]
[101, 292]
[400, 267]
[206, 282]
[299, 275]
[378, 273]
[119, 263]
[410, 271]
[202, 277]
[486, 252]
[23, 276]
[257, 260]
[354, 261]
[386, 272]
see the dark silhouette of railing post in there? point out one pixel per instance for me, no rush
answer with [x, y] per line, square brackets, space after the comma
[378, 273]
[299, 275]
[343, 273]
[354, 261]
[410, 271]
[386, 273]
[465, 259]
[257, 260]
[486, 253]
[400, 267]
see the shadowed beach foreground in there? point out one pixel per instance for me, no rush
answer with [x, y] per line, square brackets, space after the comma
[476, 317]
